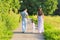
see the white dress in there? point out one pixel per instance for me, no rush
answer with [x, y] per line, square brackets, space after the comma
[33, 27]
[40, 24]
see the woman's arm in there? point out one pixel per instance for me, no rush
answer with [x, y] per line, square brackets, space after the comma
[43, 16]
[37, 14]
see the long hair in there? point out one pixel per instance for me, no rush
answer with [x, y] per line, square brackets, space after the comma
[40, 12]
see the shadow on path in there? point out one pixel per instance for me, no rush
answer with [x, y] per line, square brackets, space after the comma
[39, 36]
[25, 33]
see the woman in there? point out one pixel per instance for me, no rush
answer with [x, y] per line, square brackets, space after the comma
[24, 15]
[40, 20]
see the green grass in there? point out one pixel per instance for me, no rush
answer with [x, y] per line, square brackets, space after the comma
[51, 27]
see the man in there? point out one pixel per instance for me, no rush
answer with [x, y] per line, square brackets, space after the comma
[24, 15]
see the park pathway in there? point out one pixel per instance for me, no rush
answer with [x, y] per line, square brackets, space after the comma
[28, 35]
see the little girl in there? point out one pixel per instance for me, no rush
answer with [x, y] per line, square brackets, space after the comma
[33, 26]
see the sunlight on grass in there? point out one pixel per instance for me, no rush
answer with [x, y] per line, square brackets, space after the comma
[53, 20]
[52, 27]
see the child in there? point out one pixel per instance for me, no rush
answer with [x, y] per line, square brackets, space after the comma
[33, 26]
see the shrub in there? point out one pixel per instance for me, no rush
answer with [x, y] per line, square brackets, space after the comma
[8, 23]
[9, 19]
[5, 33]
[52, 32]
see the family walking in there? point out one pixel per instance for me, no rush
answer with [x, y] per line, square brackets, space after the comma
[40, 19]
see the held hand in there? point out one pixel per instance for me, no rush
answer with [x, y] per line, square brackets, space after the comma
[43, 16]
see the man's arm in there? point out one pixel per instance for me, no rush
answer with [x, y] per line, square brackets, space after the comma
[27, 15]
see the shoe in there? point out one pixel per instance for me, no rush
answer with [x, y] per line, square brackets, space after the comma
[22, 32]
[40, 32]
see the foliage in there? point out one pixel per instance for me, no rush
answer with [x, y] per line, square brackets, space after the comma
[5, 33]
[51, 27]
[49, 6]
[57, 12]
[9, 19]
[34, 18]
[6, 5]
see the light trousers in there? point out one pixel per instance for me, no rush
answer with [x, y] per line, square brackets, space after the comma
[24, 24]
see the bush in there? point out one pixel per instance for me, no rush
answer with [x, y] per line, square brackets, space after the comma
[5, 33]
[8, 22]
[9, 19]
[52, 32]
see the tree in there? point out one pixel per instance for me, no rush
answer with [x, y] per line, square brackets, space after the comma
[49, 6]
[57, 12]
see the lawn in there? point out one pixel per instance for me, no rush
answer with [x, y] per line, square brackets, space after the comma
[51, 27]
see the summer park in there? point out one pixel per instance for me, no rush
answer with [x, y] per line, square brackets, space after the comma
[29, 19]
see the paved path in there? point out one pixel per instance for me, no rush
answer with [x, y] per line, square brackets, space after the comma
[29, 35]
